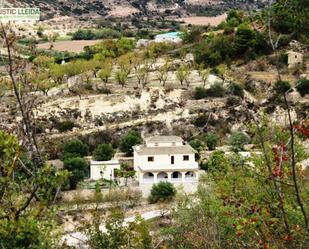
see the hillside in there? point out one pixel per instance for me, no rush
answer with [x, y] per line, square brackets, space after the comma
[160, 124]
[99, 8]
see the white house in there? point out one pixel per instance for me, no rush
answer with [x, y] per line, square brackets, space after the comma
[103, 169]
[165, 158]
[169, 37]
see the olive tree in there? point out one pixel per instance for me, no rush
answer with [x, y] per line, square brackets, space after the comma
[162, 73]
[106, 70]
[182, 74]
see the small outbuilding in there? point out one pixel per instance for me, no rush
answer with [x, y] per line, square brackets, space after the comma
[173, 37]
[142, 43]
[103, 169]
[295, 59]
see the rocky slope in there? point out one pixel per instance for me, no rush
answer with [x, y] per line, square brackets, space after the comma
[97, 8]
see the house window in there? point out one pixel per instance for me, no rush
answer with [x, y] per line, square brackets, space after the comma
[172, 159]
[186, 158]
[150, 159]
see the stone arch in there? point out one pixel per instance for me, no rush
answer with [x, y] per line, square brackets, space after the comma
[162, 176]
[148, 177]
[176, 175]
[190, 175]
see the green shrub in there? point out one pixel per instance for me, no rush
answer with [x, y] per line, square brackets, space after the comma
[104, 91]
[281, 86]
[214, 50]
[87, 34]
[216, 90]
[303, 86]
[211, 140]
[88, 86]
[283, 58]
[236, 89]
[200, 93]
[64, 126]
[103, 152]
[75, 148]
[244, 39]
[129, 140]
[162, 192]
[78, 168]
[216, 163]
[201, 120]
[237, 140]
[232, 101]
[196, 144]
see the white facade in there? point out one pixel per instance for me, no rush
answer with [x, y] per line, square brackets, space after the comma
[142, 43]
[103, 169]
[165, 158]
[169, 37]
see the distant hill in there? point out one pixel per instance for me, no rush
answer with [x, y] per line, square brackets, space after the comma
[97, 8]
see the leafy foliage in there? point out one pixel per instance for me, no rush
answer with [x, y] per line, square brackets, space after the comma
[162, 192]
[75, 148]
[291, 17]
[244, 39]
[129, 140]
[236, 89]
[281, 86]
[244, 207]
[215, 90]
[126, 172]
[303, 86]
[216, 162]
[182, 74]
[78, 168]
[117, 235]
[200, 93]
[245, 43]
[214, 50]
[211, 140]
[87, 34]
[64, 126]
[237, 140]
[103, 152]
[26, 221]
[201, 120]
[196, 144]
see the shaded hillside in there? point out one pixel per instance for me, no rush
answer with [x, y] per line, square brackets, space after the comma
[95, 8]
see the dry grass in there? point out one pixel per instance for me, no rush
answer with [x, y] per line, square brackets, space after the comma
[70, 46]
[204, 20]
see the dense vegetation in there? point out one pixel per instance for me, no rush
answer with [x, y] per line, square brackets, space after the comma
[244, 206]
[83, 34]
[259, 201]
[162, 192]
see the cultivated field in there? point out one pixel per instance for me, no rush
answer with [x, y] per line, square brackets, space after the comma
[70, 46]
[204, 20]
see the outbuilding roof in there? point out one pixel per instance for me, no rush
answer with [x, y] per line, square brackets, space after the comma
[184, 149]
[164, 139]
[169, 35]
